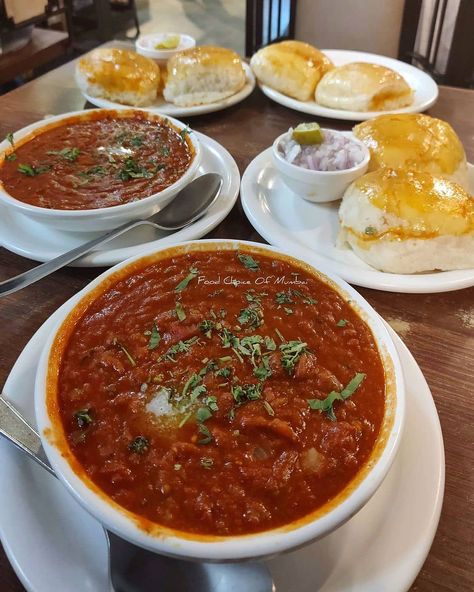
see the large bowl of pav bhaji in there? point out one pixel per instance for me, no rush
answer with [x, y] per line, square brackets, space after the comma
[96, 169]
[220, 400]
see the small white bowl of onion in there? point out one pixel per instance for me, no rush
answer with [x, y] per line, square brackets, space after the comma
[319, 164]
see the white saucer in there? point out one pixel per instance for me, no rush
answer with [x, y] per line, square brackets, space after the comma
[287, 221]
[164, 108]
[32, 239]
[424, 87]
[53, 544]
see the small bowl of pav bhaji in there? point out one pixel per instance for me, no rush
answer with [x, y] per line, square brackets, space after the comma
[96, 169]
[220, 400]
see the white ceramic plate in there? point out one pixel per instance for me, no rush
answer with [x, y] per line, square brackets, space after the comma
[31, 239]
[287, 221]
[53, 544]
[162, 107]
[424, 87]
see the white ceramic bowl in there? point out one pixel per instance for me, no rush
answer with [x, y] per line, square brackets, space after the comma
[101, 218]
[145, 46]
[318, 186]
[232, 548]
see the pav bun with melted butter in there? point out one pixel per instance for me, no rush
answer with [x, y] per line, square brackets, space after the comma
[293, 68]
[407, 222]
[119, 75]
[361, 86]
[202, 75]
[414, 142]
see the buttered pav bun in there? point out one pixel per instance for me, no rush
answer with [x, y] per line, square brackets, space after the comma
[119, 75]
[414, 142]
[406, 221]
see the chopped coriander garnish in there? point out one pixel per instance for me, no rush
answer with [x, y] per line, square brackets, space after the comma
[9, 139]
[241, 360]
[83, 417]
[370, 230]
[254, 297]
[248, 262]
[326, 405]
[291, 353]
[263, 371]
[341, 323]
[69, 154]
[211, 402]
[207, 462]
[270, 344]
[180, 311]
[204, 430]
[289, 311]
[197, 391]
[127, 353]
[353, 385]
[184, 283]
[228, 338]
[280, 335]
[32, 171]
[192, 382]
[206, 327]
[252, 316]
[139, 445]
[155, 337]
[249, 392]
[268, 408]
[95, 170]
[132, 170]
[224, 372]
[177, 348]
[184, 132]
[165, 150]
[289, 296]
[137, 141]
[12, 156]
[203, 414]
[184, 419]
[284, 297]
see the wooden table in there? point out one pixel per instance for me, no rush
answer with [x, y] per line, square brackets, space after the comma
[438, 328]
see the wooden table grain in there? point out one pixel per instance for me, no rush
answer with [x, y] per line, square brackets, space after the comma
[438, 328]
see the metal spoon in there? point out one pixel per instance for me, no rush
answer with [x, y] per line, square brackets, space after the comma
[132, 569]
[188, 205]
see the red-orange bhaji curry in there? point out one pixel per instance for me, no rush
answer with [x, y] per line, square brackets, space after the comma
[96, 161]
[221, 392]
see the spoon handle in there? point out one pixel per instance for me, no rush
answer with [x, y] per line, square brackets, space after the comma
[18, 431]
[40, 271]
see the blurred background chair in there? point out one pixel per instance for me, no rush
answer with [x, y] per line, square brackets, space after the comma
[96, 21]
[268, 21]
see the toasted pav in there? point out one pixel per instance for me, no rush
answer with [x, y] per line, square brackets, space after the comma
[202, 75]
[414, 142]
[406, 221]
[360, 86]
[119, 75]
[293, 68]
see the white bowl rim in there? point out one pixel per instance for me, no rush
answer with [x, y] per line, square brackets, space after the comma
[11, 201]
[242, 547]
[294, 167]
